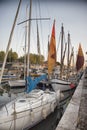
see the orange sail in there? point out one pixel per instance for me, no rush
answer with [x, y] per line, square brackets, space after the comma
[80, 58]
[52, 51]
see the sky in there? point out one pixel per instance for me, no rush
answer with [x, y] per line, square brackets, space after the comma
[72, 13]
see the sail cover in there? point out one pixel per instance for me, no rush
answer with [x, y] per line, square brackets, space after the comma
[52, 51]
[80, 58]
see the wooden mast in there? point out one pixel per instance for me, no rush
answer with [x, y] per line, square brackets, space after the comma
[38, 44]
[29, 29]
[9, 42]
[25, 57]
[68, 65]
[62, 35]
[71, 55]
[64, 53]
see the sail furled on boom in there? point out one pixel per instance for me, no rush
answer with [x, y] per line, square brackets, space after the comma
[80, 58]
[52, 51]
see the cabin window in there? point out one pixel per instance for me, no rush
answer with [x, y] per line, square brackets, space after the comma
[22, 100]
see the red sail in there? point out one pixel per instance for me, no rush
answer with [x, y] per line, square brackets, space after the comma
[52, 51]
[80, 58]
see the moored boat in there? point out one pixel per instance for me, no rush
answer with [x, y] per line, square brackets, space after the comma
[14, 84]
[28, 109]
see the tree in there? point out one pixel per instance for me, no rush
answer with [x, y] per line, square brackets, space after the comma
[9, 57]
[12, 56]
[34, 59]
[21, 59]
[2, 55]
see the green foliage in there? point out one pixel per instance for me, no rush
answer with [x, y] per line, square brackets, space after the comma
[34, 59]
[21, 59]
[2, 55]
[12, 56]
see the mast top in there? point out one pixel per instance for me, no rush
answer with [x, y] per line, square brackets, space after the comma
[62, 24]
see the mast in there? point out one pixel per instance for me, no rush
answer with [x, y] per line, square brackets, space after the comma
[48, 43]
[68, 65]
[64, 53]
[29, 26]
[71, 56]
[25, 60]
[9, 42]
[62, 35]
[38, 43]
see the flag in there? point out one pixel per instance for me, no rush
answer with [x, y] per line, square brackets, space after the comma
[80, 58]
[52, 51]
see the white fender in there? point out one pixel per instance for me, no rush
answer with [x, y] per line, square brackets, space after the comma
[44, 113]
[58, 93]
[52, 107]
[32, 116]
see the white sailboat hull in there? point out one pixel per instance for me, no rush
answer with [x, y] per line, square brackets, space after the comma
[64, 87]
[26, 118]
[27, 114]
[60, 84]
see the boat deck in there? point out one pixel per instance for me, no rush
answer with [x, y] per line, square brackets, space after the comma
[75, 116]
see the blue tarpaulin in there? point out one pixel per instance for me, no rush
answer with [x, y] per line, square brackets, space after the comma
[32, 83]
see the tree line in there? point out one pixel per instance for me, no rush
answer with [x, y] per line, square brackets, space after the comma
[13, 57]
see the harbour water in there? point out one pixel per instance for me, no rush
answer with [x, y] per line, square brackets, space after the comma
[50, 123]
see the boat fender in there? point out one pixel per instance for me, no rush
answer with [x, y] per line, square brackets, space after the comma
[58, 95]
[61, 95]
[44, 113]
[32, 115]
[72, 85]
[52, 107]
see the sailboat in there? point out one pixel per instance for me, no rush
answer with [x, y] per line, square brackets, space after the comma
[29, 109]
[57, 83]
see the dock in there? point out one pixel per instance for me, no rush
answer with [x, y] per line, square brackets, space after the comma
[75, 115]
